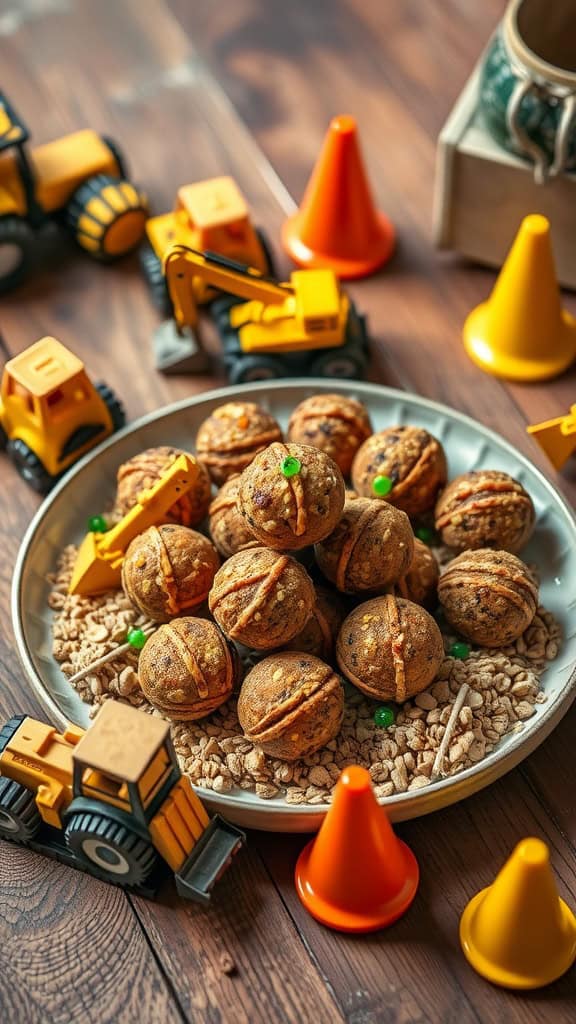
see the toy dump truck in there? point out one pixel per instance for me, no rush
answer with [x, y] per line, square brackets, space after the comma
[111, 801]
[79, 180]
[50, 412]
[212, 215]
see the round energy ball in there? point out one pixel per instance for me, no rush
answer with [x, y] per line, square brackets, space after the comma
[291, 496]
[290, 705]
[187, 668]
[390, 648]
[167, 570]
[261, 598]
[144, 470]
[489, 597]
[232, 435]
[404, 465]
[228, 528]
[420, 584]
[334, 423]
[318, 636]
[485, 509]
[371, 547]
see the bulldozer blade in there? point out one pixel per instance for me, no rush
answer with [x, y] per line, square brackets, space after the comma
[208, 860]
[93, 573]
[557, 444]
[178, 352]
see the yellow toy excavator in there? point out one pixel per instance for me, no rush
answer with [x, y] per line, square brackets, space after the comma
[305, 326]
[111, 801]
[79, 179]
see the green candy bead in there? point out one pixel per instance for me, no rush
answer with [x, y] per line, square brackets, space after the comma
[97, 524]
[382, 485]
[290, 466]
[459, 650]
[384, 716]
[136, 638]
[426, 534]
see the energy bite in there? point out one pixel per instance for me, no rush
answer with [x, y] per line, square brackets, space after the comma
[420, 584]
[187, 668]
[144, 470]
[390, 648]
[485, 509]
[371, 547]
[261, 598]
[334, 423]
[404, 465]
[489, 597]
[290, 705]
[291, 496]
[318, 636]
[167, 570]
[232, 435]
[228, 527]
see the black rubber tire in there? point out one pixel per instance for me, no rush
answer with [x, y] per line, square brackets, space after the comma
[29, 466]
[3, 439]
[340, 364]
[94, 242]
[154, 276]
[246, 369]
[220, 309]
[265, 243]
[16, 233]
[113, 404]
[19, 816]
[117, 154]
[112, 849]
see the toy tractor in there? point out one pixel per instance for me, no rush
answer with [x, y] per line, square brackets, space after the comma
[78, 180]
[50, 412]
[211, 215]
[306, 326]
[111, 801]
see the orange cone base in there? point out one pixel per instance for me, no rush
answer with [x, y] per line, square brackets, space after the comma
[477, 330]
[370, 920]
[347, 268]
[499, 975]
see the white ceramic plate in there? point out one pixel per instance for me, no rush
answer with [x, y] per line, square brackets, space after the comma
[63, 516]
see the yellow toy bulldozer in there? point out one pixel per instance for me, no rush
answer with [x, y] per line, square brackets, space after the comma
[111, 801]
[78, 180]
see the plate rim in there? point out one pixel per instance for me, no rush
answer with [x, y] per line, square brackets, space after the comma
[472, 779]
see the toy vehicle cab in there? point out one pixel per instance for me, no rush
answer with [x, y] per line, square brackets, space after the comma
[79, 179]
[50, 412]
[208, 215]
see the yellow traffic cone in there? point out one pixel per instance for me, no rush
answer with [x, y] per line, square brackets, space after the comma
[521, 332]
[518, 933]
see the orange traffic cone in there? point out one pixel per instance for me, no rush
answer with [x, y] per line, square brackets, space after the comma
[518, 933]
[337, 225]
[521, 332]
[356, 876]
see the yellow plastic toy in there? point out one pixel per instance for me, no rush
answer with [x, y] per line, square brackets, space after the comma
[50, 412]
[111, 801]
[211, 215]
[272, 333]
[518, 933]
[98, 565]
[80, 178]
[522, 333]
[557, 437]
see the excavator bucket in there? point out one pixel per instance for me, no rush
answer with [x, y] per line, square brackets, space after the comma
[557, 437]
[99, 560]
[178, 350]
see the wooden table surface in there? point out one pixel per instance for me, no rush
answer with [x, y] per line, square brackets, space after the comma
[191, 90]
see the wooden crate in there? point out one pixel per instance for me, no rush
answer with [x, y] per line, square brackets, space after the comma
[482, 193]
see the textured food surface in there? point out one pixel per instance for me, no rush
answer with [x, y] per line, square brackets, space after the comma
[168, 569]
[336, 424]
[413, 461]
[420, 584]
[145, 469]
[228, 528]
[232, 435]
[485, 509]
[371, 547]
[319, 634]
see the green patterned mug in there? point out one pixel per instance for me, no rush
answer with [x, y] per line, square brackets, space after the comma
[528, 84]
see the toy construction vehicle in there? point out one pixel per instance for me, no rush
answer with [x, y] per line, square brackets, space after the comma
[557, 437]
[78, 180]
[50, 412]
[111, 801]
[211, 215]
[307, 326]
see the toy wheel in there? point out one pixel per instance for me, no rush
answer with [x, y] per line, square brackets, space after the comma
[29, 466]
[244, 369]
[16, 248]
[117, 154]
[339, 363]
[113, 404]
[3, 438]
[220, 309]
[107, 216]
[19, 815]
[115, 851]
[154, 276]
[269, 258]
